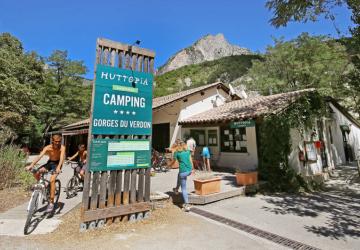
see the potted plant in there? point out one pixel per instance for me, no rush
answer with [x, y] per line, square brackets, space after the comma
[246, 177]
[206, 183]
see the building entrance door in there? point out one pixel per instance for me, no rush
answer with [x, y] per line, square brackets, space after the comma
[161, 136]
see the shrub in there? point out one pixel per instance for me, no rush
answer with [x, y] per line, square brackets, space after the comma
[12, 163]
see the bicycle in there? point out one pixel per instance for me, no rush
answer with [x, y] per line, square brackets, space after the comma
[74, 184]
[40, 194]
[158, 161]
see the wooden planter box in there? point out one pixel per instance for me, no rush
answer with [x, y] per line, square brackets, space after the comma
[208, 186]
[248, 178]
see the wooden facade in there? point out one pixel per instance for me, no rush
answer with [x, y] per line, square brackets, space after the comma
[113, 195]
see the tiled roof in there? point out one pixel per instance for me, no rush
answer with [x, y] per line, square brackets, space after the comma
[81, 123]
[160, 101]
[247, 108]
[164, 100]
[343, 111]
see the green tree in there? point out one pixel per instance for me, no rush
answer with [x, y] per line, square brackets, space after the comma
[63, 98]
[305, 62]
[38, 95]
[286, 11]
[20, 74]
[303, 11]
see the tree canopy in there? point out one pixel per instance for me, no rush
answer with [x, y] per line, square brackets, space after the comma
[37, 94]
[20, 74]
[304, 62]
[285, 11]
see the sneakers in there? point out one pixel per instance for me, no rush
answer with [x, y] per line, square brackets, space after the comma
[186, 207]
[176, 191]
[50, 208]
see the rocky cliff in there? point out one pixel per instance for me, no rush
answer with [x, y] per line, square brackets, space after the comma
[208, 48]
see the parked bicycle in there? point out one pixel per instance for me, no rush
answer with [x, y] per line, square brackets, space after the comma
[158, 161]
[40, 195]
[75, 184]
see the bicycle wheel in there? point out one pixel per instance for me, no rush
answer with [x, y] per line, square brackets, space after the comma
[157, 167]
[57, 190]
[163, 165]
[32, 210]
[71, 187]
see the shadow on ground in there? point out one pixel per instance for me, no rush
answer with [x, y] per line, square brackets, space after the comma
[40, 215]
[340, 203]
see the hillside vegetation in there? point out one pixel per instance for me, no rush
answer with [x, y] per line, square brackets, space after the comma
[225, 70]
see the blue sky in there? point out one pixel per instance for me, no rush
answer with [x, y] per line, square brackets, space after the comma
[164, 26]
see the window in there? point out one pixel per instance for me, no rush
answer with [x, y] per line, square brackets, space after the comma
[212, 138]
[199, 136]
[233, 140]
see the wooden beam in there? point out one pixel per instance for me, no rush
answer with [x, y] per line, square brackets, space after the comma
[125, 47]
[133, 186]
[92, 215]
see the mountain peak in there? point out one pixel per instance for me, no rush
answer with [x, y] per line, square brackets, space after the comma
[208, 48]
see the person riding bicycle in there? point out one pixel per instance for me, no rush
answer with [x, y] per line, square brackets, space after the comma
[81, 155]
[56, 153]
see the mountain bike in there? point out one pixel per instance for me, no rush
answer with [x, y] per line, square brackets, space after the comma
[40, 195]
[74, 185]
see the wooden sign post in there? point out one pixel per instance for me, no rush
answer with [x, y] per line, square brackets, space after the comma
[117, 183]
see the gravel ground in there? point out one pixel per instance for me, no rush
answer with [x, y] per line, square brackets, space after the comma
[12, 197]
[167, 228]
[67, 235]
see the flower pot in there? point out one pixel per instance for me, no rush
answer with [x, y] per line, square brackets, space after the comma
[248, 178]
[207, 186]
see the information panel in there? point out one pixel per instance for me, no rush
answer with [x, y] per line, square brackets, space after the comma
[122, 102]
[117, 154]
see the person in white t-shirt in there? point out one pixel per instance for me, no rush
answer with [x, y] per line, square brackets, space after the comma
[191, 144]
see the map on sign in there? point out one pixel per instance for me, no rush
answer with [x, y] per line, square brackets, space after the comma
[122, 102]
[116, 154]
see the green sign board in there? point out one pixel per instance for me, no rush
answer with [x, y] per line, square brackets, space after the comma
[122, 102]
[117, 154]
[242, 124]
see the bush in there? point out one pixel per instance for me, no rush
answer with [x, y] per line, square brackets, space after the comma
[12, 163]
[275, 144]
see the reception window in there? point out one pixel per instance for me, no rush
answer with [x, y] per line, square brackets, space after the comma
[212, 138]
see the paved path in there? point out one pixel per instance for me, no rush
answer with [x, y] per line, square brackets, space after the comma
[326, 220]
[166, 181]
[12, 221]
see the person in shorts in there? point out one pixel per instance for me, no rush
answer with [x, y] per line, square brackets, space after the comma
[56, 153]
[80, 157]
[206, 158]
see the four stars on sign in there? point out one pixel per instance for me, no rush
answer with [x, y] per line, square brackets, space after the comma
[121, 112]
